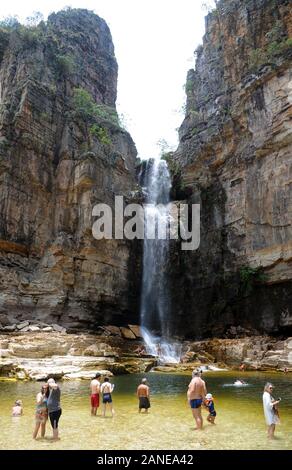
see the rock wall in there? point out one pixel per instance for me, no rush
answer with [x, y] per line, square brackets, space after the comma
[61, 152]
[235, 159]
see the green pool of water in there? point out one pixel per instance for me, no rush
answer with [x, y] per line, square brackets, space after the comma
[239, 423]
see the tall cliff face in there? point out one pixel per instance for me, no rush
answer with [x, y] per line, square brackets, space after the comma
[235, 160]
[61, 152]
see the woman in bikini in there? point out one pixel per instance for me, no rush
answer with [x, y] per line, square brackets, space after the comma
[106, 391]
[41, 413]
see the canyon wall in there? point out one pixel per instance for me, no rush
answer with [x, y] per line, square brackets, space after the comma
[62, 150]
[235, 159]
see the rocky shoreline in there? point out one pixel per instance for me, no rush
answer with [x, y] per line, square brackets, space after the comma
[37, 351]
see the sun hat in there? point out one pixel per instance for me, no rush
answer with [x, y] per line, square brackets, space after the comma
[209, 396]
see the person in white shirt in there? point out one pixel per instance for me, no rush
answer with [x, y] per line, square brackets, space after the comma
[106, 390]
[270, 409]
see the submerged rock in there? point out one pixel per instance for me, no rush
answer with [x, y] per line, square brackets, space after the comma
[87, 375]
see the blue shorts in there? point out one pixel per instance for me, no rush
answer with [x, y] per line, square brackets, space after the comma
[107, 398]
[196, 403]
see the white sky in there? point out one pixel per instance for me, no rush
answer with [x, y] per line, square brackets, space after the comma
[154, 45]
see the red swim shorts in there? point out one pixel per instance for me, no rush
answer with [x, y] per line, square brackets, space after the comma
[94, 400]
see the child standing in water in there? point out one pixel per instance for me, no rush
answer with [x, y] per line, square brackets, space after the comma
[17, 409]
[106, 390]
[209, 404]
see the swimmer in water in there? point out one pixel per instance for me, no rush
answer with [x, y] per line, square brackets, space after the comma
[239, 382]
[17, 409]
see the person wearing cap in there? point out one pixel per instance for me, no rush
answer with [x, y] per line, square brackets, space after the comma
[143, 394]
[17, 409]
[209, 404]
[196, 395]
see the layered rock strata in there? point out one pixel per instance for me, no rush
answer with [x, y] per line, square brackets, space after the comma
[235, 160]
[62, 150]
[38, 355]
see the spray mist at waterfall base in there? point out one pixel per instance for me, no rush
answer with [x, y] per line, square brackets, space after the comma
[167, 352]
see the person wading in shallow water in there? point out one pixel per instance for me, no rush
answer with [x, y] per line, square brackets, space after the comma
[196, 395]
[107, 389]
[41, 412]
[94, 399]
[54, 406]
[143, 394]
[270, 410]
[17, 409]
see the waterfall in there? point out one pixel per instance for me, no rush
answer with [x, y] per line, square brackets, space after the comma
[155, 298]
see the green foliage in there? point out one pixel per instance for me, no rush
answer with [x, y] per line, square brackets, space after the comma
[249, 277]
[276, 46]
[189, 86]
[276, 33]
[83, 103]
[178, 186]
[65, 64]
[44, 116]
[30, 37]
[35, 19]
[106, 113]
[257, 58]
[194, 131]
[53, 88]
[208, 6]
[173, 165]
[29, 34]
[86, 107]
[9, 23]
[194, 113]
[275, 49]
[138, 162]
[101, 134]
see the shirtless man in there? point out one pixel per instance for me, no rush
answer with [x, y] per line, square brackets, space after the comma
[143, 394]
[196, 395]
[94, 387]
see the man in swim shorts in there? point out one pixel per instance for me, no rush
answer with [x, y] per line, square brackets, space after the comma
[94, 398]
[196, 395]
[143, 394]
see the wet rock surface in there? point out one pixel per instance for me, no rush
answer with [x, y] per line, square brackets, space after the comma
[256, 353]
[38, 355]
